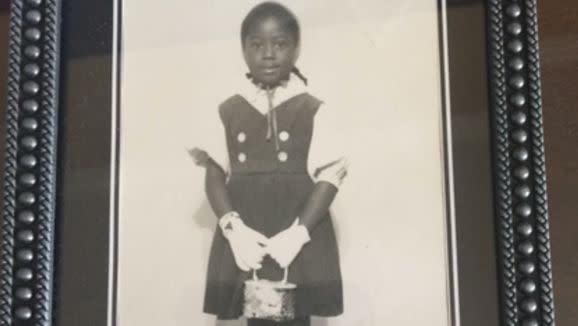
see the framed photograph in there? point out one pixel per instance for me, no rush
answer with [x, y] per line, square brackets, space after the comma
[287, 162]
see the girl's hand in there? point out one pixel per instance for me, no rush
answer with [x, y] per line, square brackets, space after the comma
[247, 252]
[248, 245]
[287, 244]
[200, 156]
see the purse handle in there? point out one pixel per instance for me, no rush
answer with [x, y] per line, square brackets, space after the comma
[285, 272]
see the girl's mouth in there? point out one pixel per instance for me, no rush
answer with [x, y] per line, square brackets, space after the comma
[270, 70]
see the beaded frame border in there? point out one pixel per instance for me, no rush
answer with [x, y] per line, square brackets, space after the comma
[27, 233]
[28, 226]
[521, 212]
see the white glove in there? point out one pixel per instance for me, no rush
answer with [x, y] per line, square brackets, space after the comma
[248, 245]
[285, 246]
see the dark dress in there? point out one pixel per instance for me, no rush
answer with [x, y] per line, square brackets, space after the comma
[268, 187]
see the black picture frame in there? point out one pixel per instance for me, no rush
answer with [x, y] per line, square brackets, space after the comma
[42, 275]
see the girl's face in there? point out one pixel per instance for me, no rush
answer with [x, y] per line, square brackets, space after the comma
[270, 52]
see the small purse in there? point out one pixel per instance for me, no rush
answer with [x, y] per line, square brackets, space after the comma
[269, 300]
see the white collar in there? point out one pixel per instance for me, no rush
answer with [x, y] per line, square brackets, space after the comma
[258, 96]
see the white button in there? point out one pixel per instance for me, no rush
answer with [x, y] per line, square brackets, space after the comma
[284, 135]
[282, 156]
[242, 157]
[241, 137]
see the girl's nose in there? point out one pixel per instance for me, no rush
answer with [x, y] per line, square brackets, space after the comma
[269, 52]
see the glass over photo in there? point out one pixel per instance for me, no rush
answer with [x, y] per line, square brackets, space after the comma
[282, 163]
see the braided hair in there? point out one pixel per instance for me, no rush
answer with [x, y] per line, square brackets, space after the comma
[286, 18]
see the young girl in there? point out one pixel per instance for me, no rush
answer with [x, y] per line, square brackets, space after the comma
[273, 188]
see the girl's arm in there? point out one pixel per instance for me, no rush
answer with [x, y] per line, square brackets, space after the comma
[213, 156]
[216, 188]
[328, 168]
[317, 204]
[215, 182]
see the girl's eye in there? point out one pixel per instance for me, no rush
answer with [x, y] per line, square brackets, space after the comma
[281, 45]
[256, 45]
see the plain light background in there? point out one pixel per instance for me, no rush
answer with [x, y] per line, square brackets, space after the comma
[376, 63]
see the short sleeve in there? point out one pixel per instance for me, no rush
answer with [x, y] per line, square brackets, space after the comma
[327, 155]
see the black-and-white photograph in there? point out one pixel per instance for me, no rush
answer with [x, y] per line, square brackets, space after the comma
[277, 163]
[282, 163]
